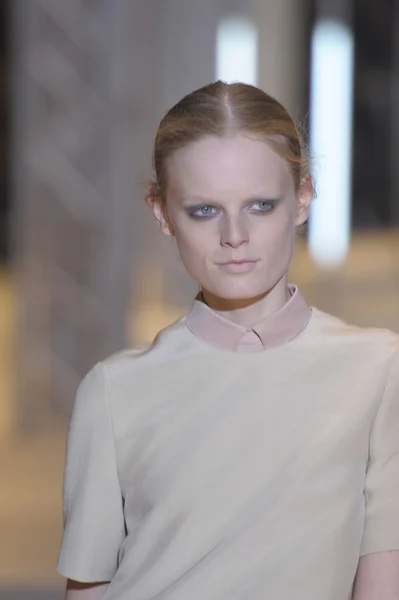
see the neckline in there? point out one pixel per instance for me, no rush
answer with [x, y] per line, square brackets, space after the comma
[272, 331]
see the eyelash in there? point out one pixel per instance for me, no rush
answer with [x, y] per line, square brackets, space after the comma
[192, 211]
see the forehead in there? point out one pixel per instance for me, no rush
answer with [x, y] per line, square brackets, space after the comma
[215, 165]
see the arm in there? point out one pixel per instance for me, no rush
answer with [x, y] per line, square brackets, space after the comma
[85, 591]
[94, 527]
[377, 577]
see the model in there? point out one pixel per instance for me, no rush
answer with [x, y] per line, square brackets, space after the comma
[251, 451]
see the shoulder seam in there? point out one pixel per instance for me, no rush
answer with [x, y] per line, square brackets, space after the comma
[395, 352]
[389, 370]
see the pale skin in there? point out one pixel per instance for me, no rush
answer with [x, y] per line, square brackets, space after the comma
[85, 591]
[234, 198]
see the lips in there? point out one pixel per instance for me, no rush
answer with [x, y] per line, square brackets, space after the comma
[238, 266]
[239, 262]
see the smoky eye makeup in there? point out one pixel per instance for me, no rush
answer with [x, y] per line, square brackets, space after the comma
[201, 211]
[264, 206]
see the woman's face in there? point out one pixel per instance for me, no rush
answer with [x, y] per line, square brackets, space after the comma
[232, 199]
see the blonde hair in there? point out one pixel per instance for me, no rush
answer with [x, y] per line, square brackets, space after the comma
[222, 109]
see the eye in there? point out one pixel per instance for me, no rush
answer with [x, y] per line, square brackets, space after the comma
[202, 212]
[264, 206]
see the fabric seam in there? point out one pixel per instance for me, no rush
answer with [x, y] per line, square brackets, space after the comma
[106, 389]
[389, 370]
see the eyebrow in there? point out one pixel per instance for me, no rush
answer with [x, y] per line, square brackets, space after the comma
[254, 198]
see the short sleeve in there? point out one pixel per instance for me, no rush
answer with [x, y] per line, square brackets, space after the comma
[381, 528]
[92, 502]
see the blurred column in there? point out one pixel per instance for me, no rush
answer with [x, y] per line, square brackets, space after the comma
[283, 56]
[394, 199]
[81, 99]
[331, 125]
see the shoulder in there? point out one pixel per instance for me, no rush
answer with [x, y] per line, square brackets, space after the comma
[133, 379]
[171, 344]
[371, 343]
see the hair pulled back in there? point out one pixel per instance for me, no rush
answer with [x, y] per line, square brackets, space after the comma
[224, 109]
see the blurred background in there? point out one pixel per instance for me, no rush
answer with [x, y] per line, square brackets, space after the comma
[84, 271]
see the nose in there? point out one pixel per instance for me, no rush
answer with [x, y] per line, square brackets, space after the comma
[234, 231]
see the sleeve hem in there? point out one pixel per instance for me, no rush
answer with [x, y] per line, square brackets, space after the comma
[385, 546]
[381, 536]
[75, 574]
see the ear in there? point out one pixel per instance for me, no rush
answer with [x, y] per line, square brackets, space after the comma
[161, 215]
[304, 198]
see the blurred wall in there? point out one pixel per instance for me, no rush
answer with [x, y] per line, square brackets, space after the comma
[91, 82]
[81, 102]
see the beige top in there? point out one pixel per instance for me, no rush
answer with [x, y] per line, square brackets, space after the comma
[233, 464]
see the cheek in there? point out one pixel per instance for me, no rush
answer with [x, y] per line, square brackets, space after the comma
[196, 237]
[278, 231]
[193, 247]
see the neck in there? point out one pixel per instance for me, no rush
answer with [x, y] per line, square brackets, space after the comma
[249, 311]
